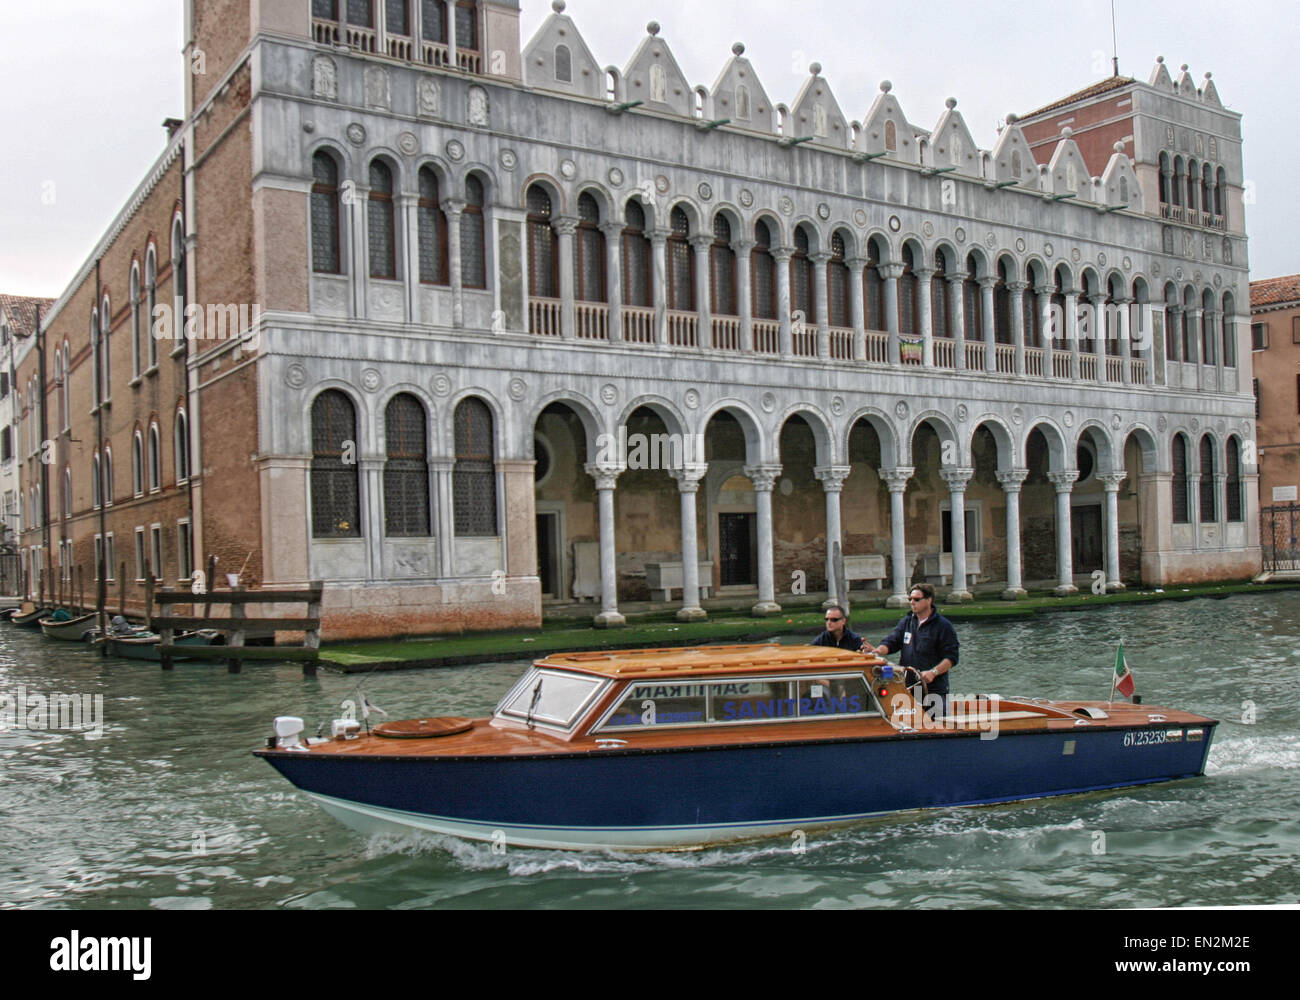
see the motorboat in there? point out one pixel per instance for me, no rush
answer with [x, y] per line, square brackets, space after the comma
[144, 645]
[672, 749]
[69, 629]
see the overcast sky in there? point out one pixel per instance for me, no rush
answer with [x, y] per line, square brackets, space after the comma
[86, 85]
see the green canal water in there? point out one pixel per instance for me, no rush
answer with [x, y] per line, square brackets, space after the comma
[167, 809]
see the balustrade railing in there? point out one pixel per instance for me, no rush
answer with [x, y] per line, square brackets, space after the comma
[325, 32]
[593, 321]
[805, 342]
[767, 336]
[945, 352]
[434, 54]
[1006, 358]
[544, 317]
[1060, 364]
[1035, 361]
[1114, 369]
[683, 329]
[1137, 369]
[360, 38]
[469, 62]
[399, 47]
[1088, 367]
[726, 333]
[877, 347]
[841, 343]
[638, 325]
[974, 356]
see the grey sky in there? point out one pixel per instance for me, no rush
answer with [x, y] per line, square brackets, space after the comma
[87, 84]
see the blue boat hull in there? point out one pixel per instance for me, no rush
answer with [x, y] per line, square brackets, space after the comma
[690, 797]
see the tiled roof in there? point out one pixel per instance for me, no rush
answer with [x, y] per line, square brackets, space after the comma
[22, 311]
[1275, 291]
[1110, 83]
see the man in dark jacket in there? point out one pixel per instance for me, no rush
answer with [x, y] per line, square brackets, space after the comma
[837, 631]
[929, 643]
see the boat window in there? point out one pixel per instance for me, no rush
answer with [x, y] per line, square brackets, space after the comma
[656, 705]
[551, 698]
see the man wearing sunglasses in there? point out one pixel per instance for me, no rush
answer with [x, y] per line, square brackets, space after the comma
[929, 644]
[837, 631]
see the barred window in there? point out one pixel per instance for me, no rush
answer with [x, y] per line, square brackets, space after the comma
[324, 215]
[1228, 333]
[681, 264]
[433, 21]
[406, 471]
[1181, 512]
[326, 9]
[397, 17]
[801, 277]
[638, 286]
[1208, 513]
[971, 305]
[433, 231]
[837, 285]
[940, 319]
[473, 253]
[762, 269]
[474, 485]
[543, 262]
[335, 494]
[1002, 310]
[722, 268]
[908, 291]
[1234, 505]
[589, 252]
[361, 13]
[379, 215]
[873, 289]
[1032, 321]
[467, 25]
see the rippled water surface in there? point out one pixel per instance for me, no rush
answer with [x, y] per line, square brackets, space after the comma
[167, 809]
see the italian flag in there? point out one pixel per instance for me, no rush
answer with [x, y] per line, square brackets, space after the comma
[1123, 681]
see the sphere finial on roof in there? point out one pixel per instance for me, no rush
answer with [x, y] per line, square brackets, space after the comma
[950, 103]
[1183, 67]
[557, 6]
[1012, 118]
[886, 86]
[815, 68]
[1160, 59]
[738, 49]
[1208, 74]
[653, 27]
[1067, 132]
[1119, 147]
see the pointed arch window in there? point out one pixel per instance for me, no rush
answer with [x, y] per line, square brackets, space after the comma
[95, 351]
[325, 215]
[137, 464]
[638, 286]
[762, 268]
[589, 252]
[135, 320]
[973, 309]
[1164, 174]
[802, 277]
[61, 382]
[1032, 320]
[908, 293]
[335, 493]
[1227, 332]
[151, 300]
[155, 459]
[381, 223]
[891, 137]
[474, 474]
[837, 284]
[543, 259]
[406, 468]
[96, 483]
[681, 263]
[107, 485]
[105, 350]
[67, 491]
[1207, 491]
[722, 269]
[940, 320]
[1002, 307]
[433, 231]
[1181, 512]
[181, 442]
[1233, 504]
[1220, 181]
[473, 244]
[873, 289]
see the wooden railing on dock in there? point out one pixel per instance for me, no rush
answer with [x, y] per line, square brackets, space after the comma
[239, 626]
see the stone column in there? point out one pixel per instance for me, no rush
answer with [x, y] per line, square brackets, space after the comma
[1194, 498]
[703, 291]
[957, 310]
[896, 479]
[444, 516]
[1012, 480]
[820, 302]
[1097, 320]
[1213, 338]
[1111, 481]
[606, 476]
[370, 474]
[614, 278]
[990, 325]
[659, 245]
[1072, 329]
[891, 273]
[1168, 174]
[408, 207]
[1194, 333]
[857, 306]
[519, 496]
[1017, 292]
[1044, 305]
[1174, 333]
[688, 485]
[957, 478]
[764, 478]
[1155, 346]
[782, 255]
[744, 293]
[565, 226]
[832, 479]
[923, 314]
[452, 209]
[1064, 483]
[1125, 339]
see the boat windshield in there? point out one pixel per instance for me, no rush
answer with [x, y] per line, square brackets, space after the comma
[551, 698]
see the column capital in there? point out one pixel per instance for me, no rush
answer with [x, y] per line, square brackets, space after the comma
[897, 477]
[453, 206]
[688, 477]
[924, 274]
[988, 281]
[742, 246]
[832, 476]
[442, 464]
[1071, 293]
[612, 230]
[1123, 301]
[700, 241]
[957, 477]
[763, 477]
[856, 265]
[782, 255]
[1012, 479]
[821, 257]
[890, 271]
[955, 279]
[565, 225]
[1111, 480]
[1177, 310]
[605, 475]
[1017, 287]
[1064, 481]
[659, 235]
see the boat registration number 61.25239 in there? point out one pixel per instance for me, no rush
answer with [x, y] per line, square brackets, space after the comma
[1144, 738]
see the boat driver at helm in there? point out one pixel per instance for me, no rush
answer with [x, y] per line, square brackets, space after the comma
[929, 645]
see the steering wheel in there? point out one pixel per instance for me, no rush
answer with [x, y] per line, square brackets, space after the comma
[912, 680]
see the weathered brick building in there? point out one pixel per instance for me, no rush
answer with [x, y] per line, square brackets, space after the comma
[480, 278]
[1275, 345]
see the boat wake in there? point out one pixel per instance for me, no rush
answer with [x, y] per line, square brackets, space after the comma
[1253, 753]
